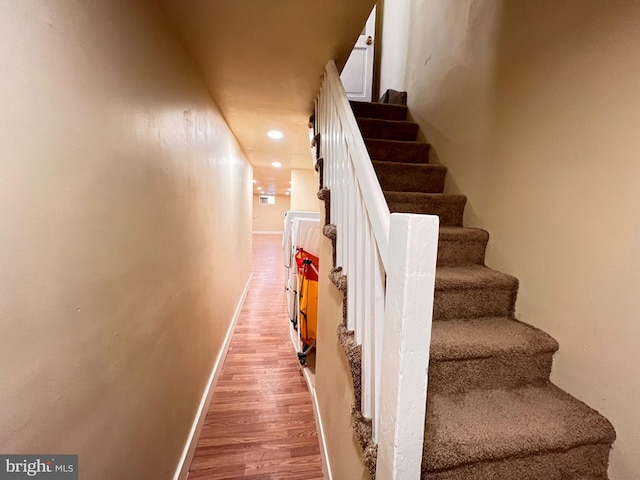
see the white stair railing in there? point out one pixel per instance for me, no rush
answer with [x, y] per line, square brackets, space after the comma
[389, 261]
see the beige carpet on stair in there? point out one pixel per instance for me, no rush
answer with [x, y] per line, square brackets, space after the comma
[492, 413]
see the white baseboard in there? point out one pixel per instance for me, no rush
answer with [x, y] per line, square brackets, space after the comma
[182, 470]
[324, 456]
[326, 466]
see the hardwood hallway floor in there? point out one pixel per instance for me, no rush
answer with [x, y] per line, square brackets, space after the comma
[260, 424]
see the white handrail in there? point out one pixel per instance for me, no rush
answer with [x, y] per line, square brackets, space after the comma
[375, 203]
[389, 261]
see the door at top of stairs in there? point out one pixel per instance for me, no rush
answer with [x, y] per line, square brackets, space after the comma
[357, 74]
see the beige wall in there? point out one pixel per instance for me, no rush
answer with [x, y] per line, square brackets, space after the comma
[304, 190]
[535, 108]
[394, 44]
[334, 388]
[270, 218]
[121, 262]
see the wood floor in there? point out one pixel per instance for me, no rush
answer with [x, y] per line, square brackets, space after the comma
[260, 424]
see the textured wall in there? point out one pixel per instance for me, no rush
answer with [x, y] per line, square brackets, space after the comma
[535, 106]
[125, 205]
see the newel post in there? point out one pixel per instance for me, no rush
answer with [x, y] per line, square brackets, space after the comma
[413, 245]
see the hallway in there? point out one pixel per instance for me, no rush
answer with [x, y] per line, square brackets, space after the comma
[260, 423]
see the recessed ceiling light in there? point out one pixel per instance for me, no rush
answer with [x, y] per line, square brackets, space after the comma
[288, 189]
[254, 181]
[276, 164]
[259, 188]
[287, 193]
[275, 134]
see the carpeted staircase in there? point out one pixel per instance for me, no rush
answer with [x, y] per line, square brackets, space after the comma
[492, 412]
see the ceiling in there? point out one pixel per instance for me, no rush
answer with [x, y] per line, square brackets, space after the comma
[262, 61]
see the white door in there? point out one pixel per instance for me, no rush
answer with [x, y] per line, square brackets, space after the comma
[357, 74]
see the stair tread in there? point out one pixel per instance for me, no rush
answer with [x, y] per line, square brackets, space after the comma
[414, 199]
[390, 106]
[379, 110]
[472, 276]
[389, 129]
[419, 195]
[460, 339]
[409, 165]
[410, 177]
[384, 121]
[455, 233]
[488, 425]
[399, 143]
[398, 150]
[449, 207]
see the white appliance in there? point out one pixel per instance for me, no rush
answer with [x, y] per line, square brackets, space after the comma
[301, 229]
[288, 242]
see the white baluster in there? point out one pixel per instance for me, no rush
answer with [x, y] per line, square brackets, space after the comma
[367, 304]
[378, 290]
[351, 254]
[359, 262]
[340, 191]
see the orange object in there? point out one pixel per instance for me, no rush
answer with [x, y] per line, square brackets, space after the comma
[308, 295]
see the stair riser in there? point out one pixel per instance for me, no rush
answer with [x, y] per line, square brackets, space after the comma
[388, 130]
[450, 212]
[588, 462]
[383, 111]
[474, 303]
[387, 151]
[505, 371]
[459, 253]
[410, 178]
